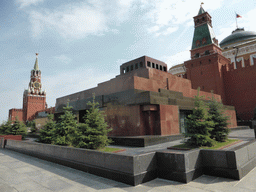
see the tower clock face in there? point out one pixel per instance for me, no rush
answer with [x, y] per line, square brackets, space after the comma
[36, 85]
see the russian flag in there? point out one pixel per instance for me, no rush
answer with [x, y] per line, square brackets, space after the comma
[238, 16]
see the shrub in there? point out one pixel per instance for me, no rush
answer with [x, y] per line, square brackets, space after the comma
[220, 120]
[198, 125]
[5, 127]
[17, 128]
[65, 128]
[46, 133]
[32, 126]
[93, 133]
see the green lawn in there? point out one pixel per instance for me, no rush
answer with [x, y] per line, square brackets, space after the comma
[109, 149]
[216, 146]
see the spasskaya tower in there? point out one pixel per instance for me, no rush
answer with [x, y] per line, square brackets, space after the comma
[34, 98]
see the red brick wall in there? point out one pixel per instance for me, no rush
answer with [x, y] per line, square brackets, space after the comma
[240, 85]
[12, 137]
[33, 105]
[206, 73]
[13, 113]
[232, 116]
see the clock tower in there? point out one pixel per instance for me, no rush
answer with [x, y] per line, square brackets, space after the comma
[205, 67]
[34, 98]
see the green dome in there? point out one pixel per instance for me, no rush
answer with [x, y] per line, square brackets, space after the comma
[238, 35]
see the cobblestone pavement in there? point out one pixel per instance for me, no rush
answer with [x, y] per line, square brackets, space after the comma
[19, 172]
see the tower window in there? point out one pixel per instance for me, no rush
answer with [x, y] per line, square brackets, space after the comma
[197, 43]
[136, 66]
[161, 67]
[197, 20]
[131, 67]
[127, 69]
[156, 66]
[123, 70]
[207, 52]
[197, 55]
[153, 65]
[203, 18]
[209, 60]
[148, 64]
[141, 64]
[204, 40]
[164, 68]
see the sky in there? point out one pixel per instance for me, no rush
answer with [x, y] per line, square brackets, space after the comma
[83, 42]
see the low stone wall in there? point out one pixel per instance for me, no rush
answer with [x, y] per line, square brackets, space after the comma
[184, 166]
[131, 170]
[177, 165]
[3, 139]
[234, 164]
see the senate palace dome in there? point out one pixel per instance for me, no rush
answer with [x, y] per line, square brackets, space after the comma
[238, 36]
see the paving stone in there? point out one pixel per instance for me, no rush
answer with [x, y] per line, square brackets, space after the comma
[31, 186]
[13, 177]
[57, 185]
[7, 188]
[26, 169]
[16, 164]
[138, 188]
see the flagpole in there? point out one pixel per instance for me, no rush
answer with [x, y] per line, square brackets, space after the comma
[236, 21]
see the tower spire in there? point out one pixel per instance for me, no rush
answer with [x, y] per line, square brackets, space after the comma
[201, 10]
[203, 33]
[36, 66]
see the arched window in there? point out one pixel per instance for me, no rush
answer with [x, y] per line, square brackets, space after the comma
[198, 43]
[197, 55]
[204, 41]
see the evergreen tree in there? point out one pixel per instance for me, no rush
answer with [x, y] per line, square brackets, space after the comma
[32, 126]
[66, 127]
[198, 125]
[93, 133]
[5, 127]
[18, 128]
[216, 114]
[46, 133]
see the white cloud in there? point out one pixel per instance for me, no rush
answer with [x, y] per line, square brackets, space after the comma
[170, 30]
[170, 13]
[153, 29]
[77, 20]
[26, 3]
[248, 20]
[63, 59]
[77, 23]
[177, 58]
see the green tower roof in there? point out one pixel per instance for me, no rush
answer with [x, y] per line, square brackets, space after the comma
[201, 11]
[203, 33]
